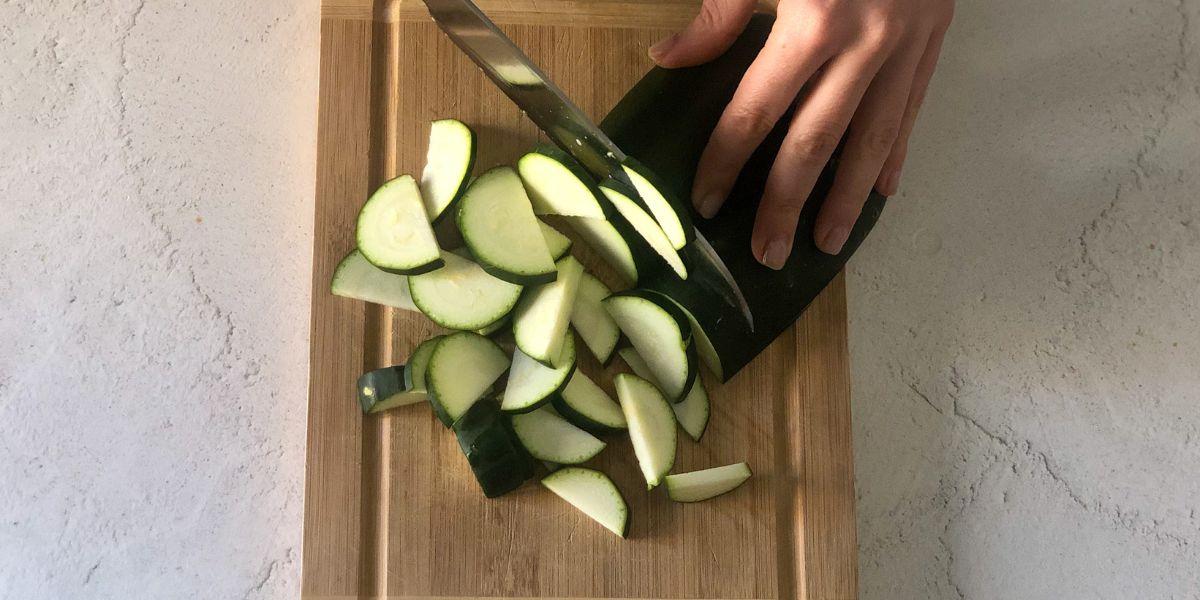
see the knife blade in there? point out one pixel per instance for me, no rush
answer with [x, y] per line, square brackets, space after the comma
[554, 113]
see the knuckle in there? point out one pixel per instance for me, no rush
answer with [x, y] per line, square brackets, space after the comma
[882, 33]
[712, 14]
[813, 145]
[879, 139]
[751, 120]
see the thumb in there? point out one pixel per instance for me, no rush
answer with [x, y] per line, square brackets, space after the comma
[709, 35]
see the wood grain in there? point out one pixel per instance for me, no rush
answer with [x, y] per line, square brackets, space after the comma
[391, 507]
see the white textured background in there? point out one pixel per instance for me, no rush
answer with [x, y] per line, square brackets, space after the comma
[1025, 320]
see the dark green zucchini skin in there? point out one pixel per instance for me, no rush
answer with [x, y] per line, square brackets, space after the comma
[497, 459]
[376, 387]
[665, 121]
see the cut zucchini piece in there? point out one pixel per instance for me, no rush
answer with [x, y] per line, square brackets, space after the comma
[692, 412]
[418, 363]
[671, 213]
[594, 494]
[645, 225]
[355, 277]
[662, 336]
[532, 384]
[550, 437]
[597, 328]
[557, 185]
[448, 165]
[498, 225]
[496, 327]
[461, 295]
[384, 389]
[462, 368]
[497, 459]
[709, 483]
[651, 426]
[587, 405]
[393, 232]
[601, 236]
[540, 319]
[557, 243]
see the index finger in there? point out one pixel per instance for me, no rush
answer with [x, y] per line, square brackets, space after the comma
[769, 86]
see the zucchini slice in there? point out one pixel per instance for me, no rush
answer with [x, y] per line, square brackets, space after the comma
[494, 328]
[532, 384]
[557, 185]
[693, 412]
[594, 494]
[557, 243]
[540, 319]
[601, 236]
[384, 389]
[586, 404]
[393, 231]
[669, 211]
[448, 165]
[662, 336]
[462, 368]
[461, 295]
[651, 426]
[498, 226]
[709, 483]
[644, 224]
[355, 277]
[552, 438]
[497, 459]
[418, 363]
[597, 328]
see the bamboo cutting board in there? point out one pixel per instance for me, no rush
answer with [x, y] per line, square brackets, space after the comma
[391, 507]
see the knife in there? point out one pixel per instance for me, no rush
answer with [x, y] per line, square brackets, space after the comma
[550, 109]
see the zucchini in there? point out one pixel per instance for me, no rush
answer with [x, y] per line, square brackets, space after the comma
[532, 384]
[602, 236]
[461, 295]
[651, 426]
[418, 363]
[696, 486]
[552, 438]
[462, 368]
[497, 459]
[540, 319]
[668, 136]
[586, 404]
[662, 336]
[384, 389]
[623, 200]
[589, 317]
[355, 277]
[692, 413]
[448, 165]
[557, 243]
[497, 223]
[671, 213]
[557, 185]
[393, 231]
[495, 328]
[594, 494]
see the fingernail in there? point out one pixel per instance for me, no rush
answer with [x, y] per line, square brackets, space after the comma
[833, 239]
[709, 204]
[776, 254]
[891, 183]
[659, 50]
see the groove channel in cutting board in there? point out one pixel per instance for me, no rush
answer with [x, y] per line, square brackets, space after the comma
[391, 507]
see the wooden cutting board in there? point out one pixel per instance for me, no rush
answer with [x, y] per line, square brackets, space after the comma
[391, 508]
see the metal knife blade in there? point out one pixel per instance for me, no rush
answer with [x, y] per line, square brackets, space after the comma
[550, 109]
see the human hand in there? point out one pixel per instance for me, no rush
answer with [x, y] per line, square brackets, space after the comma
[870, 62]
